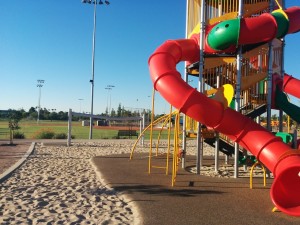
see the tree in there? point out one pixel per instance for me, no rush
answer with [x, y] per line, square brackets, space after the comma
[62, 115]
[112, 112]
[13, 123]
[32, 113]
[119, 110]
[274, 117]
[54, 116]
[32, 110]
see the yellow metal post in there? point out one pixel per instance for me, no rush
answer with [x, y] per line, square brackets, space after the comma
[251, 173]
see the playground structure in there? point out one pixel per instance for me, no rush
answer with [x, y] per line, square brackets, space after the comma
[239, 43]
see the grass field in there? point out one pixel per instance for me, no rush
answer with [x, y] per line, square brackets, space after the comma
[30, 129]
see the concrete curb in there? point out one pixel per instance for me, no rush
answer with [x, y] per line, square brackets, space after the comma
[11, 169]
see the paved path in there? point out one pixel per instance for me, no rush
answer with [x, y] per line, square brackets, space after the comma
[194, 200]
[12, 156]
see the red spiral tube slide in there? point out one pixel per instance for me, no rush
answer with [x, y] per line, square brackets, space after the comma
[281, 160]
[291, 85]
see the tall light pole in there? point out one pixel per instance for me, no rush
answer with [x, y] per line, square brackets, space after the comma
[107, 108]
[80, 99]
[109, 88]
[95, 2]
[39, 85]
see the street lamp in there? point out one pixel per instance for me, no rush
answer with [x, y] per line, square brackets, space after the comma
[39, 85]
[92, 81]
[109, 88]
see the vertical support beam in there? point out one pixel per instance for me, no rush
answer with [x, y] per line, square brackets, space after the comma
[239, 59]
[183, 159]
[217, 146]
[219, 74]
[282, 73]
[151, 132]
[142, 127]
[269, 79]
[69, 127]
[295, 136]
[200, 84]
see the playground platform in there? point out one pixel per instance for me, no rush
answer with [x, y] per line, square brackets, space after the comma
[195, 199]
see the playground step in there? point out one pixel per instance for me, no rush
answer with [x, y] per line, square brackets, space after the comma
[224, 147]
[257, 112]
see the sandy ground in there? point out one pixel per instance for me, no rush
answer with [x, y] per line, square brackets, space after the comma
[59, 185]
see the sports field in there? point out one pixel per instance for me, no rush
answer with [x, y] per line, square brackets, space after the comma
[31, 129]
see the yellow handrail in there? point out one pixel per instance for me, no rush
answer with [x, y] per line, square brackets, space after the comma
[176, 154]
[151, 124]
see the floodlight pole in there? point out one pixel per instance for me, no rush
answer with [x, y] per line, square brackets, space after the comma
[39, 85]
[107, 107]
[92, 81]
[93, 73]
[111, 87]
[80, 99]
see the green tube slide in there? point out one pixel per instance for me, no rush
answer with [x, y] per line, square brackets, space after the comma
[282, 102]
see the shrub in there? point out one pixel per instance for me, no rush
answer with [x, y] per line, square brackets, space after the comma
[44, 134]
[19, 135]
[60, 136]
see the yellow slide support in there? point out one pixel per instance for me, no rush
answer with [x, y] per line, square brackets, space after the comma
[251, 173]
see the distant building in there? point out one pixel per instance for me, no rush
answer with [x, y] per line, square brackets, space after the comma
[4, 113]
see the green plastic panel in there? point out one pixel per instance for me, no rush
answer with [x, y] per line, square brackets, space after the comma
[224, 34]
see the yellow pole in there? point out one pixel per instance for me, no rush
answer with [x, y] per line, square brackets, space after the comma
[288, 124]
[173, 162]
[169, 140]
[278, 4]
[159, 134]
[175, 152]
[251, 173]
[155, 122]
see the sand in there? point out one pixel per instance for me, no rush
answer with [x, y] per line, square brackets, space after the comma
[59, 185]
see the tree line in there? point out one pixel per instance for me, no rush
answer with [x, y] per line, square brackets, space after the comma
[32, 114]
[52, 114]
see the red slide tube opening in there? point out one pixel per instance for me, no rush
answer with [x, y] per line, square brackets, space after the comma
[285, 191]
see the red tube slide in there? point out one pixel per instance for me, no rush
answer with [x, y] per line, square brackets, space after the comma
[227, 34]
[270, 150]
[291, 85]
[265, 27]
[294, 19]
[251, 33]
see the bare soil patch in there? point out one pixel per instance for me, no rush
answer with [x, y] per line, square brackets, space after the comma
[10, 154]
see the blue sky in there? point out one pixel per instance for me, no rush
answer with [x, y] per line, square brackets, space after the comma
[52, 40]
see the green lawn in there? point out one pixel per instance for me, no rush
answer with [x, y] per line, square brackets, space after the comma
[31, 129]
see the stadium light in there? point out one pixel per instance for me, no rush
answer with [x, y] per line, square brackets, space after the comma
[39, 85]
[92, 81]
[109, 88]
